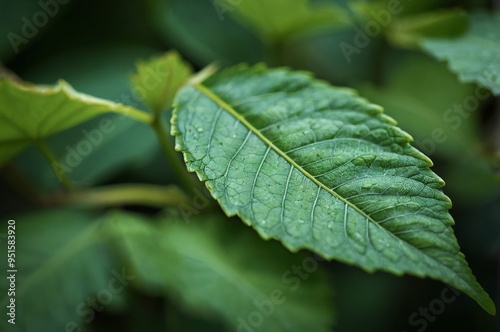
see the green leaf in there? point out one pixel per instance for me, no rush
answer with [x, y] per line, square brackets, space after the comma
[365, 9]
[61, 260]
[29, 113]
[474, 56]
[319, 168]
[112, 152]
[217, 268]
[410, 30]
[159, 78]
[273, 23]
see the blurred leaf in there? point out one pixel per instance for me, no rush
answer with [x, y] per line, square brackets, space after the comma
[410, 30]
[159, 79]
[198, 29]
[367, 9]
[113, 154]
[105, 154]
[31, 113]
[221, 270]
[273, 22]
[317, 167]
[474, 56]
[62, 261]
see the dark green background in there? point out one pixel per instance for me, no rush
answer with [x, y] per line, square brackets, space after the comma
[94, 45]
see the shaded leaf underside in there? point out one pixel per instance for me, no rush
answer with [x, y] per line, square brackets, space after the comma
[220, 270]
[62, 260]
[320, 168]
[29, 113]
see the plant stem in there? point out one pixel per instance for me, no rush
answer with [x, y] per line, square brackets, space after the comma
[137, 115]
[121, 194]
[47, 153]
[187, 181]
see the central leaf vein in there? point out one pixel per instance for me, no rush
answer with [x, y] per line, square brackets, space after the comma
[221, 103]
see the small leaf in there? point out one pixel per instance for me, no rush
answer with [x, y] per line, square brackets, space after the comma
[278, 19]
[112, 152]
[319, 168]
[62, 260]
[158, 79]
[217, 268]
[410, 30]
[474, 56]
[29, 113]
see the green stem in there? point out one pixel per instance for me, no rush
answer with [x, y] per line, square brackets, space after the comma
[123, 194]
[137, 115]
[47, 153]
[187, 181]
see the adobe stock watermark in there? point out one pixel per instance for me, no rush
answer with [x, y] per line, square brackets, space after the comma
[223, 6]
[87, 309]
[372, 29]
[291, 280]
[200, 201]
[453, 116]
[420, 319]
[75, 154]
[153, 79]
[30, 26]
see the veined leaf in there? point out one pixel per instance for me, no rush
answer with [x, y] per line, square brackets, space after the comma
[474, 56]
[29, 113]
[272, 22]
[62, 260]
[159, 78]
[219, 269]
[319, 168]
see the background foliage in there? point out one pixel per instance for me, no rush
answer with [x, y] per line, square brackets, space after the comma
[67, 252]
